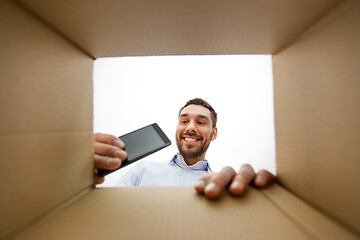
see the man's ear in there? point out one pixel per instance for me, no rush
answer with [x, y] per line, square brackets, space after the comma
[214, 134]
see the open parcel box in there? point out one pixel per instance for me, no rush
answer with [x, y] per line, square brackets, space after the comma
[47, 50]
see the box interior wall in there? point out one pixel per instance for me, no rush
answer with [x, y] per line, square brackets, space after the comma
[46, 102]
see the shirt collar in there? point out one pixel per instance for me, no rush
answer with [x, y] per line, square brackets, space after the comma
[179, 161]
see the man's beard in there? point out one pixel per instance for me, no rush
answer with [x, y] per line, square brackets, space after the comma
[191, 153]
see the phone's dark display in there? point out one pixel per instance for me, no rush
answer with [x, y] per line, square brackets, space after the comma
[141, 142]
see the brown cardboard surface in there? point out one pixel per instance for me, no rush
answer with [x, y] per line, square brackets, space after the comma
[317, 115]
[46, 119]
[166, 213]
[161, 27]
[46, 83]
[55, 169]
[311, 220]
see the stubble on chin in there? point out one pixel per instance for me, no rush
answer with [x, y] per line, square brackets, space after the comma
[192, 153]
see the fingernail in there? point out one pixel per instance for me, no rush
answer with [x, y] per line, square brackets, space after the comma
[210, 187]
[119, 143]
[113, 161]
[120, 154]
[235, 184]
[200, 184]
[259, 178]
[237, 188]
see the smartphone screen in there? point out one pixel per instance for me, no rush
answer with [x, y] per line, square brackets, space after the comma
[141, 143]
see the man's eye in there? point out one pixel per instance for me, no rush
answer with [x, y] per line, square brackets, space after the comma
[201, 123]
[183, 121]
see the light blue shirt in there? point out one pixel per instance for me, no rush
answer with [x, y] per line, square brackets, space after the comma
[175, 173]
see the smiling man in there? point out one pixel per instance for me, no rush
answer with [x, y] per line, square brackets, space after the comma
[195, 130]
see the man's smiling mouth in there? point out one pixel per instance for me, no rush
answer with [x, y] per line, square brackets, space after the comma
[190, 139]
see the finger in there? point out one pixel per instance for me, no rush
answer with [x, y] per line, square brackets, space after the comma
[98, 180]
[202, 182]
[108, 163]
[109, 139]
[218, 182]
[242, 180]
[109, 151]
[264, 178]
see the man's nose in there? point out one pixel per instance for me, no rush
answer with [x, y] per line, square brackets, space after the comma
[191, 127]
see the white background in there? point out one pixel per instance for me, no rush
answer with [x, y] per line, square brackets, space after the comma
[132, 92]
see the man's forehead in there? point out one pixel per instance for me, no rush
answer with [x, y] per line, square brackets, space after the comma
[195, 110]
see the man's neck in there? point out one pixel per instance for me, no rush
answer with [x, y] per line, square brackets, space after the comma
[192, 161]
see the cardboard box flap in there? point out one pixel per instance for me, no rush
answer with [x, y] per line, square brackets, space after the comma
[316, 223]
[178, 213]
[317, 115]
[46, 147]
[166, 213]
[162, 27]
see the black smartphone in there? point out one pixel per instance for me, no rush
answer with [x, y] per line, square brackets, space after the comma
[141, 143]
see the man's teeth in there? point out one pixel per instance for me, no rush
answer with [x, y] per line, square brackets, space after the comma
[190, 139]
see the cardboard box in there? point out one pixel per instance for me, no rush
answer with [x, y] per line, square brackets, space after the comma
[46, 56]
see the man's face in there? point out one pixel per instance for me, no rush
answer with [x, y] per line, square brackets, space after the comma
[194, 131]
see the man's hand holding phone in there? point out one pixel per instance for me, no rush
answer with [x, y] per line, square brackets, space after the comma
[108, 154]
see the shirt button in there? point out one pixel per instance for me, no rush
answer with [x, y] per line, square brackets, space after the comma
[187, 169]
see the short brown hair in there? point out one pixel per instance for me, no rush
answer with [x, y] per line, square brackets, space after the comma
[202, 102]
